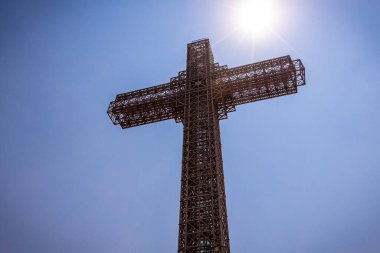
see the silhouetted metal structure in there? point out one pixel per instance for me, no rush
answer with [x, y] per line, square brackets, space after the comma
[199, 97]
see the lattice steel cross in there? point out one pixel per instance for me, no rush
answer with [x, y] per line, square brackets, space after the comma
[199, 97]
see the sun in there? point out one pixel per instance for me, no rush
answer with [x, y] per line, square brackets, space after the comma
[254, 17]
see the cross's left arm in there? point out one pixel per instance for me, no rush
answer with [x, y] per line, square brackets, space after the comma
[145, 106]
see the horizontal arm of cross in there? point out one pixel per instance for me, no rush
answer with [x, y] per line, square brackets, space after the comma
[263, 80]
[249, 83]
[145, 106]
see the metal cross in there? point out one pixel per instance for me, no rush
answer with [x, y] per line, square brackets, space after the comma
[199, 97]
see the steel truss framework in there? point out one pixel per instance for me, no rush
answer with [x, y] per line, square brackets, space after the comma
[199, 97]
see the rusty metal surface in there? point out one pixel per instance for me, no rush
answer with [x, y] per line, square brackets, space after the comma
[199, 97]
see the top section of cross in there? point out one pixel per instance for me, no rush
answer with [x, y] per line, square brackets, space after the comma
[199, 59]
[230, 87]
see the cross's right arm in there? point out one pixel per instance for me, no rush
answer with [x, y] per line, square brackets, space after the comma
[267, 79]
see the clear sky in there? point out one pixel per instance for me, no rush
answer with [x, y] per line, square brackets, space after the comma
[302, 172]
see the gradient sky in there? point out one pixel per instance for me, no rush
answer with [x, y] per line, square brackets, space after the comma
[302, 172]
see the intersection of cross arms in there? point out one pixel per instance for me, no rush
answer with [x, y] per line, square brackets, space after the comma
[200, 97]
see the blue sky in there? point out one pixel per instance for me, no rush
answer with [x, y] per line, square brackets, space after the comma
[302, 172]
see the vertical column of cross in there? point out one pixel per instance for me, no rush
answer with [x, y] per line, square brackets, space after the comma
[203, 217]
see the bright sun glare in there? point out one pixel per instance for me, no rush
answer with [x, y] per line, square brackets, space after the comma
[255, 17]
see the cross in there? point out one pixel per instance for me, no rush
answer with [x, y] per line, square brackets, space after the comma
[199, 97]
